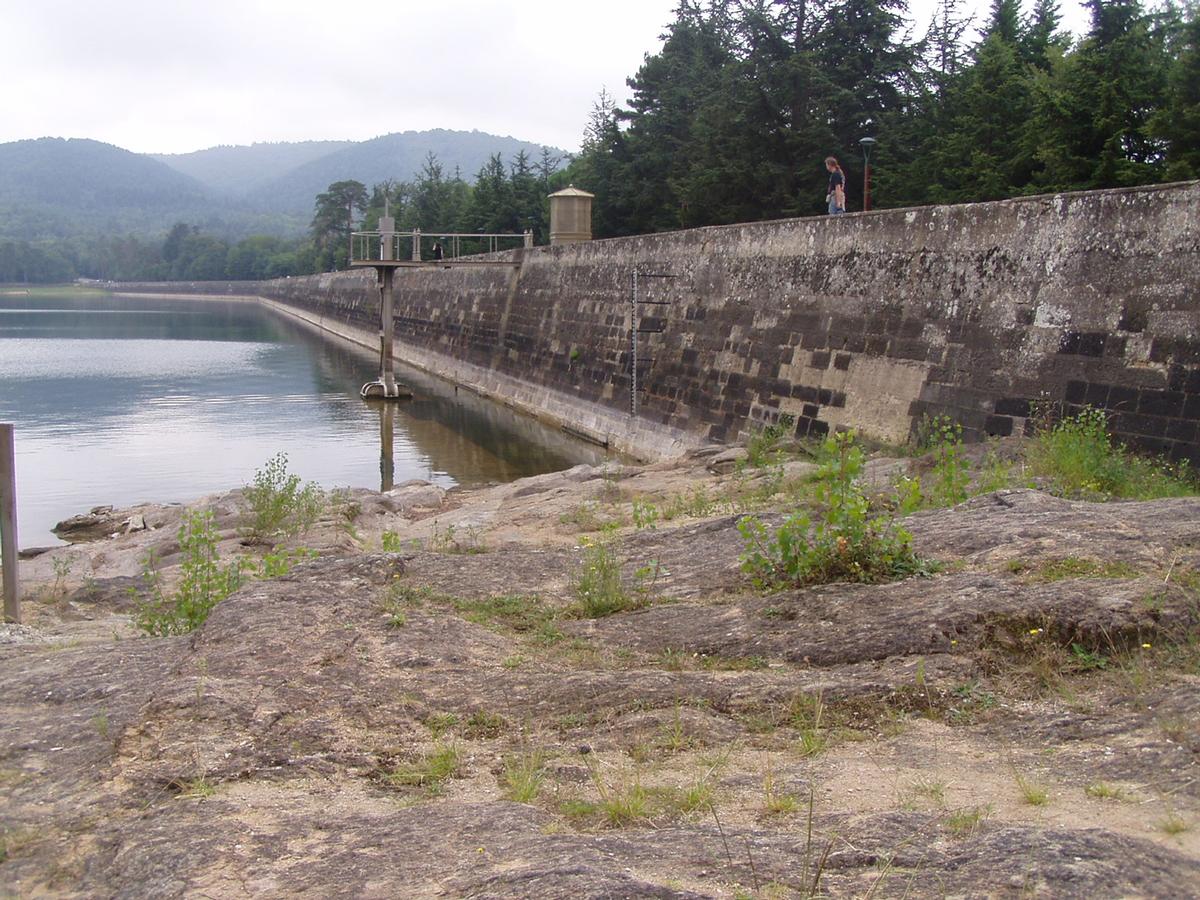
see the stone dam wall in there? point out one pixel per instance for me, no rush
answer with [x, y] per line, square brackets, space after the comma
[870, 321]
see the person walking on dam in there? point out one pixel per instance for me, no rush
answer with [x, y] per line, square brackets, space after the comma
[836, 195]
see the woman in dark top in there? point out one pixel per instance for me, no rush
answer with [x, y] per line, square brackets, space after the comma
[836, 195]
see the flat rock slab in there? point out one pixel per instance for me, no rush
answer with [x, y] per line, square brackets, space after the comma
[253, 756]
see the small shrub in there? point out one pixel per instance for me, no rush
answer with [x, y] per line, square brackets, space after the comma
[846, 544]
[202, 582]
[908, 495]
[390, 542]
[440, 723]
[597, 584]
[762, 449]
[950, 476]
[1080, 459]
[645, 514]
[278, 502]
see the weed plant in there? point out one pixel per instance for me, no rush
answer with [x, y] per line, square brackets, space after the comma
[431, 771]
[279, 504]
[1102, 790]
[203, 581]
[1031, 792]
[951, 474]
[1079, 459]
[762, 449]
[523, 776]
[845, 544]
[597, 584]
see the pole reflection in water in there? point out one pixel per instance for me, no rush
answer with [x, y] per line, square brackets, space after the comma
[387, 434]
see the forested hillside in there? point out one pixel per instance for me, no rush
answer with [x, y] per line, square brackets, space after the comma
[239, 170]
[71, 208]
[54, 188]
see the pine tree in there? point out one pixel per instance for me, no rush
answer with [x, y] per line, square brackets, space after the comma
[1178, 122]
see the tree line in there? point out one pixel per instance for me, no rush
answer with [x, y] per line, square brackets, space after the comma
[731, 120]
[502, 199]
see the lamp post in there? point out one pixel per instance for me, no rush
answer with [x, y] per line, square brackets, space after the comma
[867, 144]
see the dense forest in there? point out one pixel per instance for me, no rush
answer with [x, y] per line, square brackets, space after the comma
[731, 119]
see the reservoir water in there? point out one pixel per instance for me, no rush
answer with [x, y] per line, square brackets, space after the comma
[127, 400]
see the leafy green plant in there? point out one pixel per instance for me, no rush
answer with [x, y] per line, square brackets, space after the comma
[390, 542]
[762, 449]
[279, 504]
[951, 473]
[908, 495]
[203, 580]
[597, 583]
[203, 583]
[1079, 459]
[645, 514]
[454, 540]
[62, 571]
[845, 544]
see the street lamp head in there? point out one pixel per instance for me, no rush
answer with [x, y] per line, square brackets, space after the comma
[867, 144]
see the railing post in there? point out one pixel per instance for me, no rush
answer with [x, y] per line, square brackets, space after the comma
[528, 238]
[8, 523]
[416, 248]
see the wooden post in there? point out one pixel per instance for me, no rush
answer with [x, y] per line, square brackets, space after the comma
[8, 523]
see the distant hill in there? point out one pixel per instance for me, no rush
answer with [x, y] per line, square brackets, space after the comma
[51, 187]
[239, 170]
[398, 156]
[56, 188]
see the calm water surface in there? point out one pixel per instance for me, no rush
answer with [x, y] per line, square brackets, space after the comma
[129, 400]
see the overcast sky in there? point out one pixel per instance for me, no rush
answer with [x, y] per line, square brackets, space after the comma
[172, 76]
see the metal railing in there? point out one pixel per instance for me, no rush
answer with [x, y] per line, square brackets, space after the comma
[417, 246]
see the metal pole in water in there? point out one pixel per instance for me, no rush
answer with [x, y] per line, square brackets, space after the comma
[388, 373]
[8, 523]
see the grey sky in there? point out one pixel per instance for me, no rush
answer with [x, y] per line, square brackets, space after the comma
[173, 76]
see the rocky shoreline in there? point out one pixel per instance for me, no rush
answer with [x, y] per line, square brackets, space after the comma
[442, 720]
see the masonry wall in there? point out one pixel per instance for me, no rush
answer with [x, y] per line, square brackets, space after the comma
[870, 321]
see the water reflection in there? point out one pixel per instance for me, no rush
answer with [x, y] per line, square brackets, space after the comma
[387, 435]
[126, 400]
